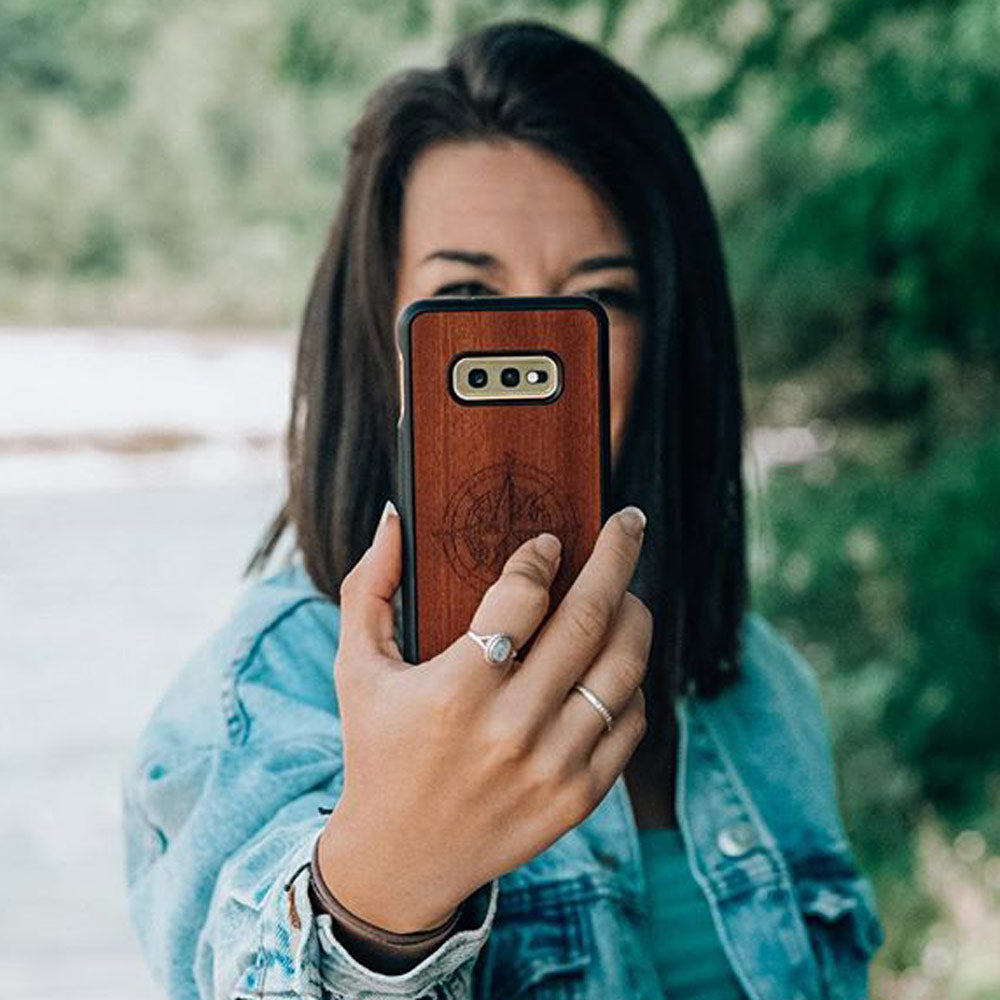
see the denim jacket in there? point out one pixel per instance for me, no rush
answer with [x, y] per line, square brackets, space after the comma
[221, 801]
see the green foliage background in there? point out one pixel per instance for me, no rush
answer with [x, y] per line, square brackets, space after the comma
[178, 164]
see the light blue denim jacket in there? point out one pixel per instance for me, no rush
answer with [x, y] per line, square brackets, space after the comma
[221, 805]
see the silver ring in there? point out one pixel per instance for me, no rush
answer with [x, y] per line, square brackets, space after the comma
[602, 709]
[496, 646]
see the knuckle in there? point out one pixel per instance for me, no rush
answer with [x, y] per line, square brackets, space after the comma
[622, 548]
[491, 591]
[525, 562]
[629, 672]
[510, 745]
[526, 590]
[640, 609]
[350, 584]
[343, 675]
[588, 616]
[547, 772]
[635, 723]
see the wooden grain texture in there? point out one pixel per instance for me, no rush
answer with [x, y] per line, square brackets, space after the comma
[488, 477]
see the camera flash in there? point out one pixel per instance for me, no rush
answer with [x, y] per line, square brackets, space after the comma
[535, 376]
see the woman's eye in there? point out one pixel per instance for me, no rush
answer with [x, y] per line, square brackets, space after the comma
[616, 298]
[462, 288]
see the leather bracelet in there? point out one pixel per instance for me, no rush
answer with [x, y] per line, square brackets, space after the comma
[400, 942]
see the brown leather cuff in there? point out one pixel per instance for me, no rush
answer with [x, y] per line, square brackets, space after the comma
[384, 951]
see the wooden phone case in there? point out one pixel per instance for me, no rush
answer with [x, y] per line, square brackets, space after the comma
[475, 480]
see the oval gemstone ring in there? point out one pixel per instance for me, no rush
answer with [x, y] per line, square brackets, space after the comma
[496, 647]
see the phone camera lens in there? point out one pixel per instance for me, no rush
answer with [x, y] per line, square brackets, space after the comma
[510, 377]
[477, 377]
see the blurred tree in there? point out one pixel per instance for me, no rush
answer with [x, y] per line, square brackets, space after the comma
[863, 237]
[83, 52]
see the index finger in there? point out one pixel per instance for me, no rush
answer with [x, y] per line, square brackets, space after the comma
[366, 592]
[578, 628]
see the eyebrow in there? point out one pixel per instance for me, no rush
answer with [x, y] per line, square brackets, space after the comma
[486, 260]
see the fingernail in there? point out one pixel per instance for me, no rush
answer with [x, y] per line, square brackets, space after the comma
[633, 520]
[389, 508]
[548, 546]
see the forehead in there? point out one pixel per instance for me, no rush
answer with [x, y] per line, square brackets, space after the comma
[505, 197]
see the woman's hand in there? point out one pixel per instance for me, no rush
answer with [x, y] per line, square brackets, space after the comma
[457, 770]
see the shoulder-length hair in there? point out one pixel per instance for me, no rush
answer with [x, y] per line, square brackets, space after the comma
[680, 457]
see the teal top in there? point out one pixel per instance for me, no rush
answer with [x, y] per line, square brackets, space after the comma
[683, 941]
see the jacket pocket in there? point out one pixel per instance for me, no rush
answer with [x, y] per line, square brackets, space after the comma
[844, 931]
[541, 958]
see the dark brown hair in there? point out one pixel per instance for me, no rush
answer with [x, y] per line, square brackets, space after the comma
[680, 457]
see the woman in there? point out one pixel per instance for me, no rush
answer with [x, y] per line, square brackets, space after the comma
[454, 831]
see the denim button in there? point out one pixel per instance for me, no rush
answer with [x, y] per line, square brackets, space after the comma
[829, 904]
[736, 839]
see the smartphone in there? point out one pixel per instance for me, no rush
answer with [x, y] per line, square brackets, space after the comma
[503, 433]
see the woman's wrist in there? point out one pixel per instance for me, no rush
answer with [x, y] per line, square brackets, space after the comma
[380, 884]
[385, 951]
[330, 903]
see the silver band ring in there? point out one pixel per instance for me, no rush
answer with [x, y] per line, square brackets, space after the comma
[599, 705]
[496, 646]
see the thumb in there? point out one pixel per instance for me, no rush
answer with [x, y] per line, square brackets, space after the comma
[366, 592]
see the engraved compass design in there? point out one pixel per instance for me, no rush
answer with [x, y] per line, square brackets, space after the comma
[497, 508]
